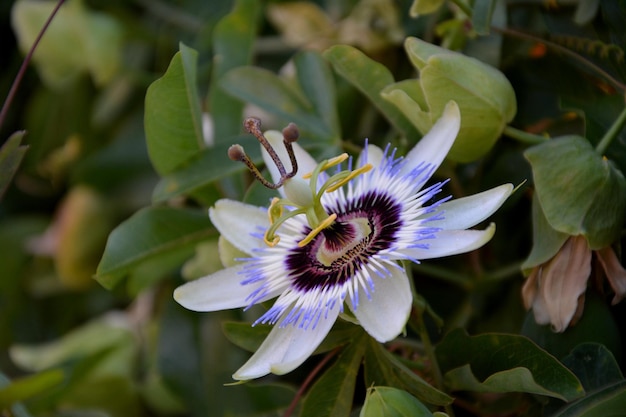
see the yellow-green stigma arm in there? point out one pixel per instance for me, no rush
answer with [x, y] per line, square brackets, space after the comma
[323, 225]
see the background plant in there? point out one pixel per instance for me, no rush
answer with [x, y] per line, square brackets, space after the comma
[129, 108]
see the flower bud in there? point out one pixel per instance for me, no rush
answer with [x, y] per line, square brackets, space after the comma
[485, 97]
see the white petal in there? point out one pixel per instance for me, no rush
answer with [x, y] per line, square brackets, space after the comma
[306, 163]
[386, 314]
[466, 212]
[237, 221]
[452, 242]
[221, 290]
[286, 348]
[434, 146]
[372, 155]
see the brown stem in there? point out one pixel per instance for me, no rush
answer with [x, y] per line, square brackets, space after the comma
[27, 59]
[308, 381]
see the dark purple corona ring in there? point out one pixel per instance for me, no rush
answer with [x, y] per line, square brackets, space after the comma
[366, 226]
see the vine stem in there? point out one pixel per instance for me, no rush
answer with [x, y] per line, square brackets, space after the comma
[611, 133]
[420, 306]
[523, 137]
[593, 67]
[20, 74]
[308, 381]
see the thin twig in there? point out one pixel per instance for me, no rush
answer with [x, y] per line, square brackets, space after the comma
[27, 59]
[608, 77]
[308, 381]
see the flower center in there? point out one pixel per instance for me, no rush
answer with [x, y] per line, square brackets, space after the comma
[343, 240]
[306, 198]
[364, 228]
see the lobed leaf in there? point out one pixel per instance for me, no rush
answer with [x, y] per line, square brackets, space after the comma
[580, 192]
[504, 363]
[382, 368]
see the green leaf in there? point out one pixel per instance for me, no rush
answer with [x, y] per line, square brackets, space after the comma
[370, 77]
[203, 169]
[597, 325]
[274, 95]
[173, 121]
[332, 394]
[250, 338]
[422, 7]
[232, 43]
[580, 192]
[481, 16]
[392, 402]
[11, 155]
[382, 368]
[150, 233]
[180, 357]
[546, 240]
[318, 85]
[594, 365]
[16, 410]
[29, 386]
[86, 341]
[504, 363]
[608, 402]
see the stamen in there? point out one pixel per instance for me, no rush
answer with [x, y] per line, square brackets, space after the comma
[323, 225]
[270, 238]
[275, 210]
[327, 164]
[271, 243]
[237, 153]
[290, 135]
[349, 177]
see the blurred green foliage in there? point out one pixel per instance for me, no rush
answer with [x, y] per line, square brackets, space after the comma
[128, 109]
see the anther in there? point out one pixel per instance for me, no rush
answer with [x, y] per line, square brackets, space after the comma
[349, 177]
[290, 135]
[236, 153]
[328, 164]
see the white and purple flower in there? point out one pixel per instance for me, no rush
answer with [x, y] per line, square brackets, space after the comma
[335, 239]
